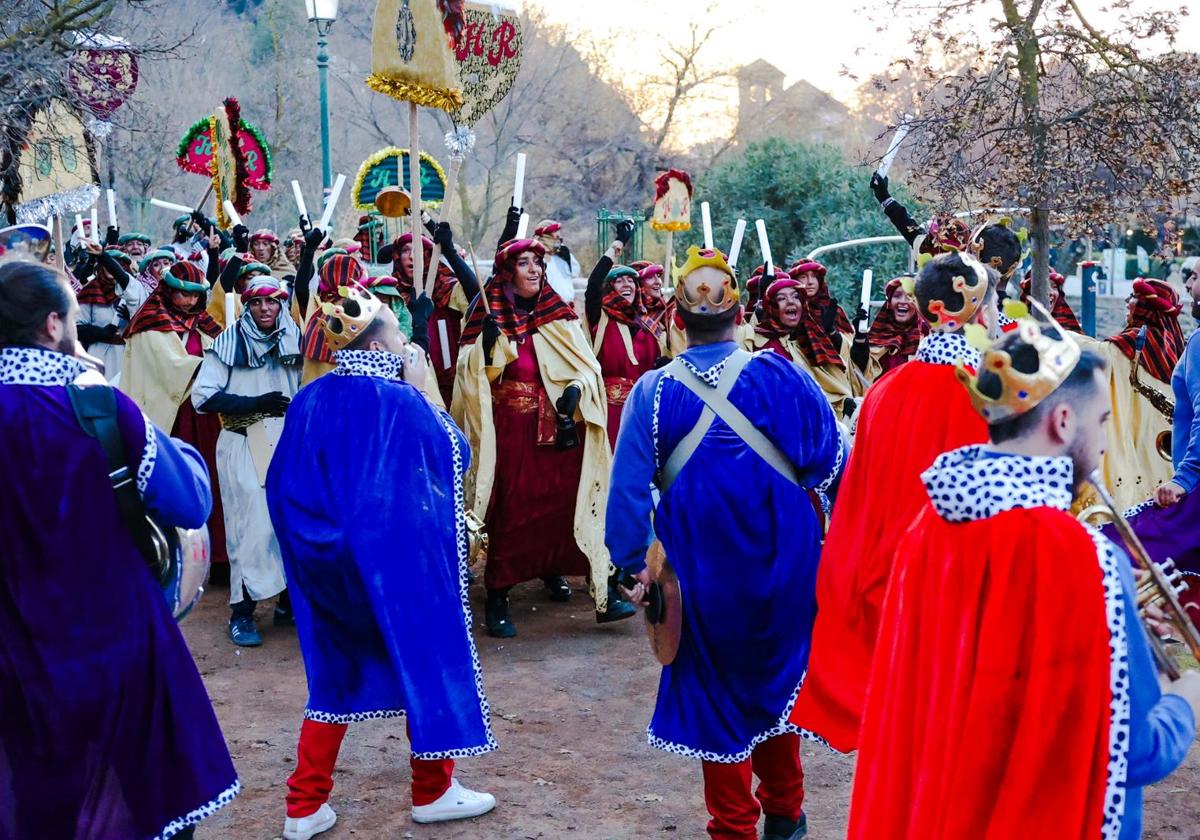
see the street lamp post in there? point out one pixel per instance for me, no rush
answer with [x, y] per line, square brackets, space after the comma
[323, 13]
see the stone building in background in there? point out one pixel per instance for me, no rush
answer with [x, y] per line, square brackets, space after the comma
[766, 108]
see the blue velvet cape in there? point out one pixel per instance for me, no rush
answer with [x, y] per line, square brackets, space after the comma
[105, 727]
[365, 493]
[743, 540]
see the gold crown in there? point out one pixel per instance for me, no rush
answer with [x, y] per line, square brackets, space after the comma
[1020, 392]
[346, 320]
[972, 286]
[702, 295]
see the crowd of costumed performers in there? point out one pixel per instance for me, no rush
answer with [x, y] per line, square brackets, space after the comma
[572, 438]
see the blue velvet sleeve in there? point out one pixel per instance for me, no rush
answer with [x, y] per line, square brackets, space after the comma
[171, 476]
[1186, 385]
[628, 530]
[1161, 727]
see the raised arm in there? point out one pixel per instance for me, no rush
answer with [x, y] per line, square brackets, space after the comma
[304, 272]
[444, 236]
[896, 212]
[512, 222]
[594, 295]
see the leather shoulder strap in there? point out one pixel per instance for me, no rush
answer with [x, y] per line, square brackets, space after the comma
[717, 404]
[95, 408]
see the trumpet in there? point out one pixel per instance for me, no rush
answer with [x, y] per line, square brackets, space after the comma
[1161, 402]
[1161, 586]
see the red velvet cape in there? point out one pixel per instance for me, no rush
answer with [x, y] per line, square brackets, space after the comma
[988, 710]
[910, 416]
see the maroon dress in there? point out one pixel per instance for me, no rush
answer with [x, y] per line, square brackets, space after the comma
[531, 518]
[202, 431]
[619, 373]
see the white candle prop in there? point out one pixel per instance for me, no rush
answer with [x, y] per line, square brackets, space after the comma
[95, 225]
[765, 247]
[893, 148]
[736, 248]
[169, 205]
[706, 218]
[299, 199]
[332, 203]
[79, 228]
[868, 276]
[112, 207]
[232, 212]
[230, 309]
[445, 344]
[519, 185]
[523, 227]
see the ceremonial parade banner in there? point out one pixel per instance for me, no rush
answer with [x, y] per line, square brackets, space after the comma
[195, 153]
[236, 160]
[672, 202]
[54, 168]
[412, 51]
[489, 57]
[380, 171]
[102, 73]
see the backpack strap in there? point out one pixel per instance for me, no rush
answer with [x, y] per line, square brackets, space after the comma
[717, 404]
[95, 408]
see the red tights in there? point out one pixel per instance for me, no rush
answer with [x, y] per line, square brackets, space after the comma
[727, 789]
[316, 755]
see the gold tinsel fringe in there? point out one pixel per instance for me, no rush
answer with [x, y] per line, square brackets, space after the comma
[430, 97]
[674, 227]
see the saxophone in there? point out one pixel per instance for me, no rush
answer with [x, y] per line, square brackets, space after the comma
[1161, 402]
[1161, 586]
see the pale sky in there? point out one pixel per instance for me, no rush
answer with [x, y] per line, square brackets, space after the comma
[808, 39]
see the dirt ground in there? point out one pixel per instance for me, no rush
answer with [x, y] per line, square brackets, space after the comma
[570, 702]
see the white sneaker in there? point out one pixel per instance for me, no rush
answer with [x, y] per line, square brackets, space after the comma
[303, 828]
[457, 803]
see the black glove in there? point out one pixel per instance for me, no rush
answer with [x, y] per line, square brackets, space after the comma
[421, 308]
[444, 236]
[241, 238]
[860, 318]
[848, 408]
[514, 216]
[313, 237]
[112, 236]
[202, 221]
[274, 403]
[860, 353]
[879, 186]
[625, 231]
[829, 319]
[89, 334]
[662, 362]
[566, 436]
[491, 332]
[111, 334]
[565, 253]
[569, 401]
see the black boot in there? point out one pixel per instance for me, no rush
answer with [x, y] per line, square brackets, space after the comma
[618, 609]
[499, 626]
[284, 617]
[781, 828]
[557, 588]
